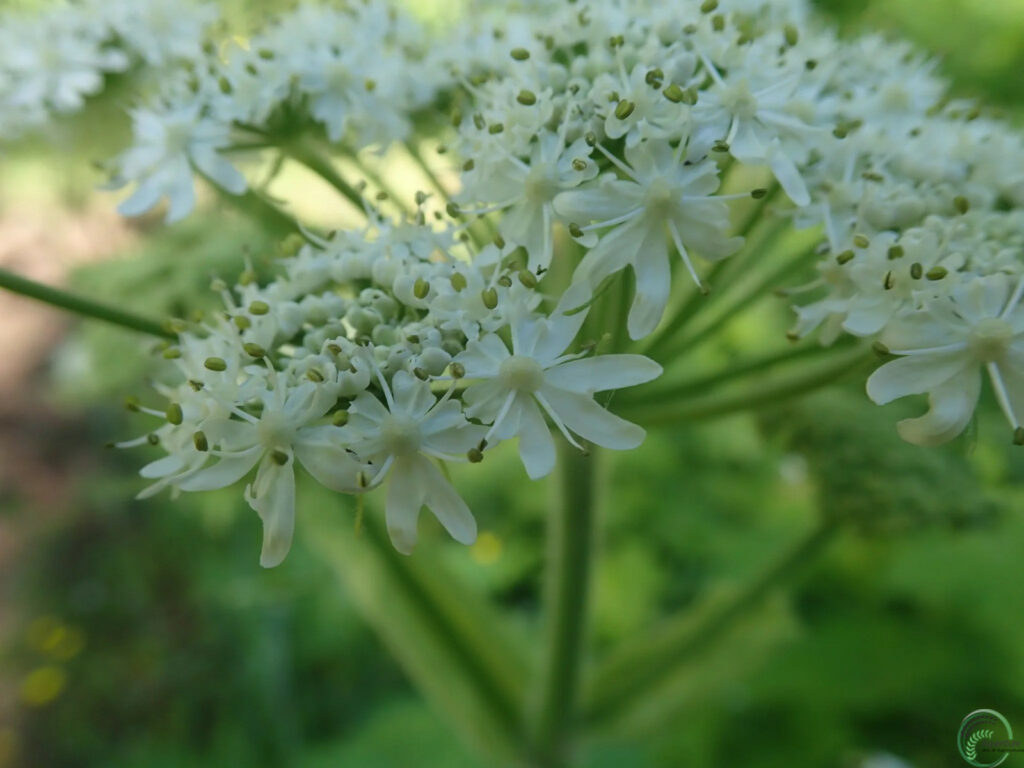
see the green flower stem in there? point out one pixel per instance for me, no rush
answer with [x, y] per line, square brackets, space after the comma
[570, 540]
[255, 206]
[762, 243]
[628, 674]
[745, 299]
[322, 166]
[666, 393]
[760, 394]
[82, 306]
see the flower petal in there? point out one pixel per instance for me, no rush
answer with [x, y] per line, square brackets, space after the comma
[914, 375]
[446, 504]
[592, 422]
[405, 497]
[225, 472]
[597, 374]
[951, 407]
[272, 495]
[536, 446]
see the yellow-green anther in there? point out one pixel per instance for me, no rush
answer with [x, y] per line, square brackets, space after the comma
[279, 457]
[840, 132]
[709, 6]
[475, 455]
[1018, 436]
[872, 176]
[420, 288]
[519, 54]
[215, 364]
[527, 98]
[265, 53]
[718, 22]
[370, 84]
[259, 308]
[340, 418]
[248, 277]
[420, 374]
[459, 281]
[224, 84]
[936, 273]
[758, 194]
[314, 375]
[591, 138]
[654, 77]
[624, 109]
[844, 257]
[792, 35]
[961, 204]
[720, 146]
[499, 242]
[132, 404]
[916, 270]
[218, 285]
[197, 386]
[880, 349]
[575, 230]
[200, 442]
[674, 93]
[495, 129]
[153, 439]
[469, 165]
[174, 414]
[527, 278]
[478, 121]
[457, 370]
[579, 164]
[382, 195]
[861, 241]
[453, 210]
[420, 197]
[895, 252]
[254, 350]
[889, 281]
[489, 298]
[505, 281]
[171, 353]
[242, 322]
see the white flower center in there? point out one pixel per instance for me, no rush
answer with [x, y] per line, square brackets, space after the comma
[739, 101]
[990, 338]
[660, 197]
[521, 373]
[539, 186]
[400, 434]
[275, 431]
[177, 137]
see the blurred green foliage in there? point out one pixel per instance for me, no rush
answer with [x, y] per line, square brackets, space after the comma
[146, 635]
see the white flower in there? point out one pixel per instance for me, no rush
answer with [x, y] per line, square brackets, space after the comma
[942, 350]
[661, 192]
[283, 432]
[398, 438]
[168, 143]
[537, 374]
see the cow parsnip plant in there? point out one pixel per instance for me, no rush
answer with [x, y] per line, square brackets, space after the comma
[614, 181]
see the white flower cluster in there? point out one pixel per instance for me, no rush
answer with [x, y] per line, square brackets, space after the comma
[357, 74]
[607, 129]
[50, 62]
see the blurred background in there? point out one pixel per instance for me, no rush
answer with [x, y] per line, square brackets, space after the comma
[145, 634]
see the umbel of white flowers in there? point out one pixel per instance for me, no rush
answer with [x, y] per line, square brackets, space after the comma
[610, 124]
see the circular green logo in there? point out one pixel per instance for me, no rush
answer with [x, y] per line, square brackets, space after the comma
[980, 737]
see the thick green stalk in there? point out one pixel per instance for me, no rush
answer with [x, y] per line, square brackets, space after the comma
[567, 585]
[758, 395]
[82, 306]
[630, 672]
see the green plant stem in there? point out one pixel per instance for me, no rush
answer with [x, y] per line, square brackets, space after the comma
[378, 181]
[81, 306]
[757, 396]
[322, 166]
[570, 540]
[677, 389]
[666, 352]
[629, 673]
